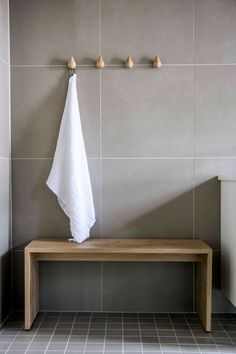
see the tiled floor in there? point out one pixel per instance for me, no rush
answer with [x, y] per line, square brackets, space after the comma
[112, 333]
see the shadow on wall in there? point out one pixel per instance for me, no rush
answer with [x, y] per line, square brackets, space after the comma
[5, 286]
[181, 218]
[167, 221]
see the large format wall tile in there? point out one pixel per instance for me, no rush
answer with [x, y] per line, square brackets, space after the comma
[18, 280]
[207, 197]
[144, 287]
[4, 111]
[147, 113]
[215, 107]
[4, 30]
[39, 96]
[48, 32]
[36, 212]
[4, 205]
[147, 198]
[64, 286]
[70, 286]
[146, 29]
[215, 29]
[5, 285]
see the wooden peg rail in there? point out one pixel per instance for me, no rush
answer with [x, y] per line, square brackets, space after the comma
[100, 63]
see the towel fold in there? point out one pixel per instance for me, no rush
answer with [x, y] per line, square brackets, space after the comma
[69, 176]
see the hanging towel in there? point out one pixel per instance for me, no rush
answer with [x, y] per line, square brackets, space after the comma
[69, 176]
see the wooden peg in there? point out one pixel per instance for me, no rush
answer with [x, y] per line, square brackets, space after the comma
[100, 62]
[156, 63]
[129, 63]
[71, 63]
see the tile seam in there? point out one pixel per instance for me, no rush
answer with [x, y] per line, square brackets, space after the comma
[4, 61]
[132, 158]
[193, 151]
[115, 65]
[100, 148]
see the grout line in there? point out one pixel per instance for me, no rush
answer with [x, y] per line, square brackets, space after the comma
[35, 333]
[100, 26]
[192, 333]
[116, 65]
[100, 147]
[53, 332]
[86, 340]
[4, 62]
[71, 331]
[193, 152]
[174, 332]
[105, 335]
[10, 344]
[134, 158]
[158, 336]
[140, 334]
[227, 335]
[122, 336]
[3, 322]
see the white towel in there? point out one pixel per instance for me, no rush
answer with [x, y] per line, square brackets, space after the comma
[69, 177]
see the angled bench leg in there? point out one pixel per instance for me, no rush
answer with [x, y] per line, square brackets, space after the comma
[31, 289]
[204, 290]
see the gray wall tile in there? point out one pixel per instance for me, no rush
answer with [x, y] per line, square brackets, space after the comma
[207, 212]
[70, 286]
[39, 95]
[18, 280]
[144, 113]
[215, 28]
[5, 285]
[54, 30]
[146, 29]
[4, 205]
[4, 30]
[4, 111]
[143, 286]
[215, 106]
[216, 270]
[147, 113]
[5, 165]
[64, 286]
[143, 198]
[36, 212]
[207, 197]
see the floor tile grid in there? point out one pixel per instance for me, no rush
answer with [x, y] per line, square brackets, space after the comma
[161, 352]
[87, 336]
[140, 335]
[228, 336]
[71, 331]
[105, 335]
[10, 344]
[175, 324]
[189, 326]
[123, 331]
[218, 351]
[174, 332]
[54, 330]
[36, 332]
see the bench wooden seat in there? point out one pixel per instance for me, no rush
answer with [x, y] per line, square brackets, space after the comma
[143, 250]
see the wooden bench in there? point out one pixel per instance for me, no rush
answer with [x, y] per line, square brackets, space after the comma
[124, 250]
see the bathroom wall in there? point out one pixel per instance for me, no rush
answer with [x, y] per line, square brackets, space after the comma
[156, 139]
[5, 163]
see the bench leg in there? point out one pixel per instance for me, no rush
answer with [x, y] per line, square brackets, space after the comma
[31, 289]
[204, 290]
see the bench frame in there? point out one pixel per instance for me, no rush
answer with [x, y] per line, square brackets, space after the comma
[124, 250]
